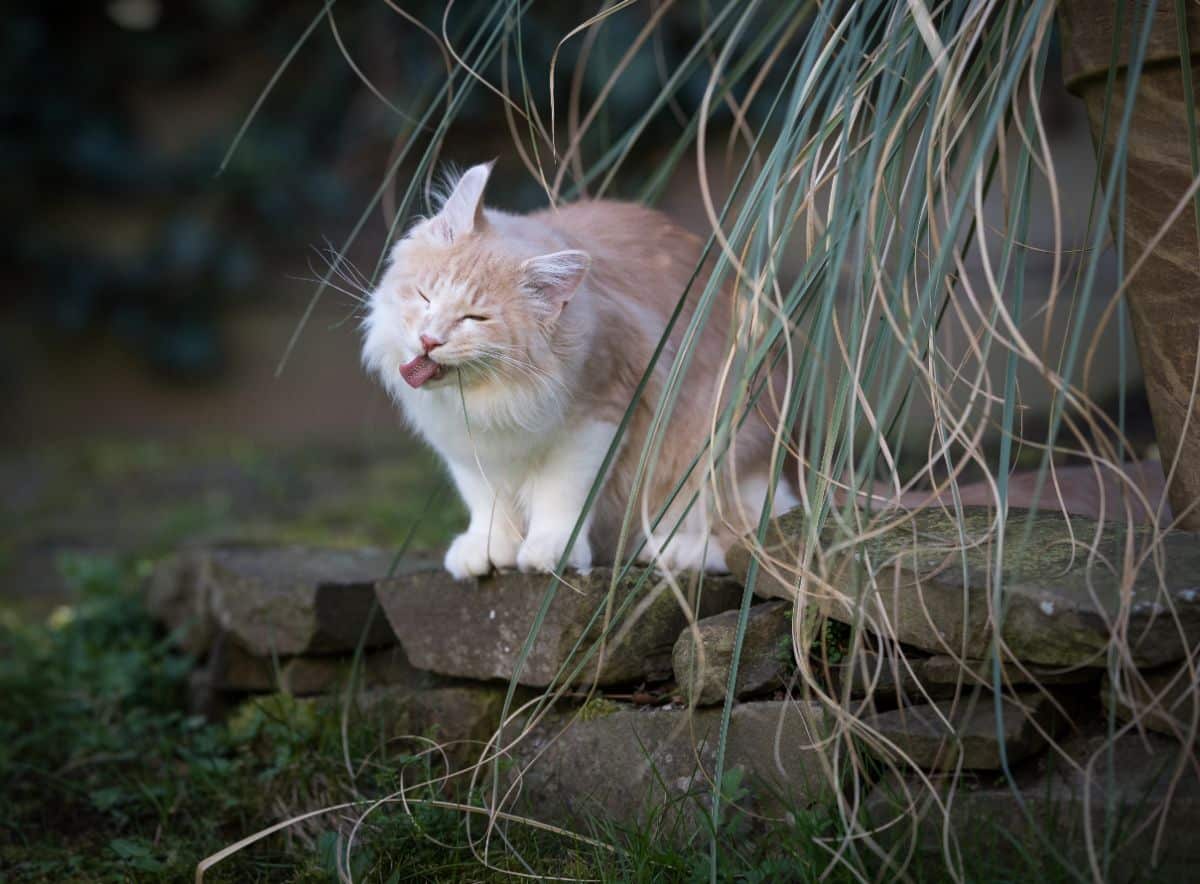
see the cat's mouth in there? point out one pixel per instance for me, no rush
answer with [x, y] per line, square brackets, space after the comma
[420, 371]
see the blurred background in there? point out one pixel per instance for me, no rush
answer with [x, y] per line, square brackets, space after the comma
[153, 287]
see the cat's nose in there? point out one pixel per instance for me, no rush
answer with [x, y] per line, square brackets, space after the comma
[430, 343]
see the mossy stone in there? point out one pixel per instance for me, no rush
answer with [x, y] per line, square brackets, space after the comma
[476, 628]
[925, 578]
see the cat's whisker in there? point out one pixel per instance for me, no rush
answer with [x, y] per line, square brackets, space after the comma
[341, 266]
[337, 288]
[530, 369]
[359, 292]
[494, 364]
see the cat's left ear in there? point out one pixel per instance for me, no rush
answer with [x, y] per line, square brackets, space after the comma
[556, 277]
[462, 212]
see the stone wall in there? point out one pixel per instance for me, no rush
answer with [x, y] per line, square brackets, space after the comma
[900, 690]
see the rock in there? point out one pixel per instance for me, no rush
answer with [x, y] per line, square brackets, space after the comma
[928, 736]
[292, 600]
[1067, 800]
[231, 668]
[466, 714]
[203, 697]
[941, 669]
[1059, 600]
[177, 595]
[765, 661]
[887, 677]
[637, 766]
[459, 719]
[917, 678]
[1163, 700]
[476, 628]
[915, 675]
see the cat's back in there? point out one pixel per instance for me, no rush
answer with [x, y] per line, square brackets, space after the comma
[636, 250]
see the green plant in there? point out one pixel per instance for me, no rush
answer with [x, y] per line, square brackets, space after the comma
[885, 162]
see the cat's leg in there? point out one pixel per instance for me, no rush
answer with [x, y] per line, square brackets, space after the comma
[693, 547]
[493, 535]
[752, 491]
[557, 494]
[695, 551]
[686, 551]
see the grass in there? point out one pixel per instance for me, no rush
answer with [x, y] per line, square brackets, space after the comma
[167, 493]
[146, 498]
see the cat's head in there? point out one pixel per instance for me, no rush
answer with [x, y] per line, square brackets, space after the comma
[466, 301]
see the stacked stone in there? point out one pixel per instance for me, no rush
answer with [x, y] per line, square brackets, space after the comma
[265, 619]
[639, 685]
[646, 756]
[927, 665]
[437, 657]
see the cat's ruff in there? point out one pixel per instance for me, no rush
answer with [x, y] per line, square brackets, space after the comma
[514, 345]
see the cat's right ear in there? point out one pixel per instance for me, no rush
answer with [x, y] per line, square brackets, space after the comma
[462, 212]
[554, 278]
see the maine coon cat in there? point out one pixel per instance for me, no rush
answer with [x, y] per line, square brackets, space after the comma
[514, 344]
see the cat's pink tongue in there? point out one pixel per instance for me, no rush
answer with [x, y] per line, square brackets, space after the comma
[419, 371]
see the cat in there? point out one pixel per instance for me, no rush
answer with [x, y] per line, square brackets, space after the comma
[514, 344]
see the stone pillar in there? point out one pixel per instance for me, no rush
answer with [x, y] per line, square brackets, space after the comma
[1164, 295]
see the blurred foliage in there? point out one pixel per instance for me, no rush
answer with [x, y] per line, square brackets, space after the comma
[127, 230]
[118, 114]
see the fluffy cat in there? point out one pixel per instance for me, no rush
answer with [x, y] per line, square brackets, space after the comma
[514, 344]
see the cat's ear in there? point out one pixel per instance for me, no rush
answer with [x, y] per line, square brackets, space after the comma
[555, 277]
[462, 212]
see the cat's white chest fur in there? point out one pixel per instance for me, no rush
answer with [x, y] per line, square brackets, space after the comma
[444, 419]
[525, 486]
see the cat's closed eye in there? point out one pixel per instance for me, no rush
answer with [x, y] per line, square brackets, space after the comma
[476, 317]
[422, 295]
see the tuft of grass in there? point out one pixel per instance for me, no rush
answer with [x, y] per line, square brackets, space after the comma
[597, 707]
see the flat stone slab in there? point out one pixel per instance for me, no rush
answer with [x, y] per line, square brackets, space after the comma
[942, 669]
[916, 678]
[1163, 700]
[628, 765]
[1148, 782]
[476, 628]
[766, 656]
[933, 736]
[296, 600]
[232, 669]
[462, 718]
[177, 595]
[885, 677]
[1061, 600]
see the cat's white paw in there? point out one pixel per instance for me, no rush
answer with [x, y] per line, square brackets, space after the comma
[541, 552]
[468, 556]
[503, 548]
[686, 552]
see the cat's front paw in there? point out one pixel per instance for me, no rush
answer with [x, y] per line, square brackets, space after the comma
[468, 556]
[685, 552]
[542, 551]
[503, 547]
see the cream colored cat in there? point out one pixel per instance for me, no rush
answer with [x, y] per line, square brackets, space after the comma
[514, 345]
